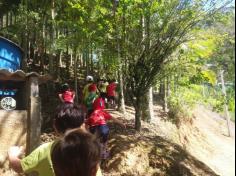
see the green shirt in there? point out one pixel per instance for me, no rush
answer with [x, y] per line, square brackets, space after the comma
[90, 99]
[86, 91]
[39, 160]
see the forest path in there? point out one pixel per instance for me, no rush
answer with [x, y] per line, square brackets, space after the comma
[219, 152]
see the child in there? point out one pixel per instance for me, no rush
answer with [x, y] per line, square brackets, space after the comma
[102, 85]
[89, 80]
[97, 125]
[78, 153]
[99, 103]
[68, 116]
[111, 93]
[67, 95]
[90, 98]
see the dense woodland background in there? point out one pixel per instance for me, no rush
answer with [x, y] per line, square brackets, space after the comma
[180, 52]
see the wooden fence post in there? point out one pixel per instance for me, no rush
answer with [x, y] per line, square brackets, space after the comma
[34, 115]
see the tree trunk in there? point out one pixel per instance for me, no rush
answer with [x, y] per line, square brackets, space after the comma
[51, 59]
[225, 102]
[7, 19]
[150, 104]
[138, 114]
[165, 106]
[75, 77]
[176, 83]
[120, 73]
[168, 86]
[1, 22]
[24, 41]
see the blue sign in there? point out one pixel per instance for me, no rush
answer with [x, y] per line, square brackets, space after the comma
[10, 55]
[7, 92]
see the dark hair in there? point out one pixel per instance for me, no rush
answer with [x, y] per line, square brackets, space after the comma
[111, 81]
[65, 87]
[78, 153]
[69, 116]
[103, 95]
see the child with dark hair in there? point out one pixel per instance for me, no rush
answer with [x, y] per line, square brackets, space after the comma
[97, 124]
[68, 116]
[77, 154]
[67, 95]
[102, 85]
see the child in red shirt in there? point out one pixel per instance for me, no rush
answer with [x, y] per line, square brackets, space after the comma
[111, 93]
[67, 95]
[99, 103]
[97, 125]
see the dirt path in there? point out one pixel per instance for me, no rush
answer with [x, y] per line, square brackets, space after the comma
[219, 154]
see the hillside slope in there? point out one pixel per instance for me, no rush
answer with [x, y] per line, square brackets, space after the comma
[200, 148]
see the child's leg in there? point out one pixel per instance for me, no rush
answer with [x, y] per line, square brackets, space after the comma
[104, 133]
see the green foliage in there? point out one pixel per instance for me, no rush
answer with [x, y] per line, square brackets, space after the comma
[182, 103]
[210, 76]
[139, 37]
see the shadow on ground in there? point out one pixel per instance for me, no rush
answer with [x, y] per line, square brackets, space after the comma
[142, 154]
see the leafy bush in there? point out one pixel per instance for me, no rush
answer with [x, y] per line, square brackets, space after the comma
[182, 103]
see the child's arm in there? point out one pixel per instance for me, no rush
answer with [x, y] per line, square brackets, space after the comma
[60, 97]
[118, 122]
[14, 160]
[73, 96]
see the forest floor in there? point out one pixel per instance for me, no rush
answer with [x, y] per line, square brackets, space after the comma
[200, 148]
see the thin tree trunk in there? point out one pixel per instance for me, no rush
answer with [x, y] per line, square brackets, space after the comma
[165, 106]
[150, 104]
[51, 59]
[138, 114]
[75, 77]
[225, 102]
[71, 58]
[7, 19]
[121, 96]
[24, 40]
[60, 59]
[10, 16]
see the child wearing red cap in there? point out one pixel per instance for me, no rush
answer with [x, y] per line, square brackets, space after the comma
[91, 97]
[111, 93]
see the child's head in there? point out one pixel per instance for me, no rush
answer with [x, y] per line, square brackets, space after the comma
[65, 87]
[78, 153]
[103, 95]
[92, 88]
[89, 79]
[111, 81]
[69, 116]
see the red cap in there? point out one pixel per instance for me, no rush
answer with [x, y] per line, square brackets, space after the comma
[92, 88]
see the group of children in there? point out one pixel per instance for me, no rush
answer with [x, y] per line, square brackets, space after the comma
[84, 135]
[76, 152]
[94, 97]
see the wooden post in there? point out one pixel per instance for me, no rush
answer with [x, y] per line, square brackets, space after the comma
[225, 103]
[34, 115]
